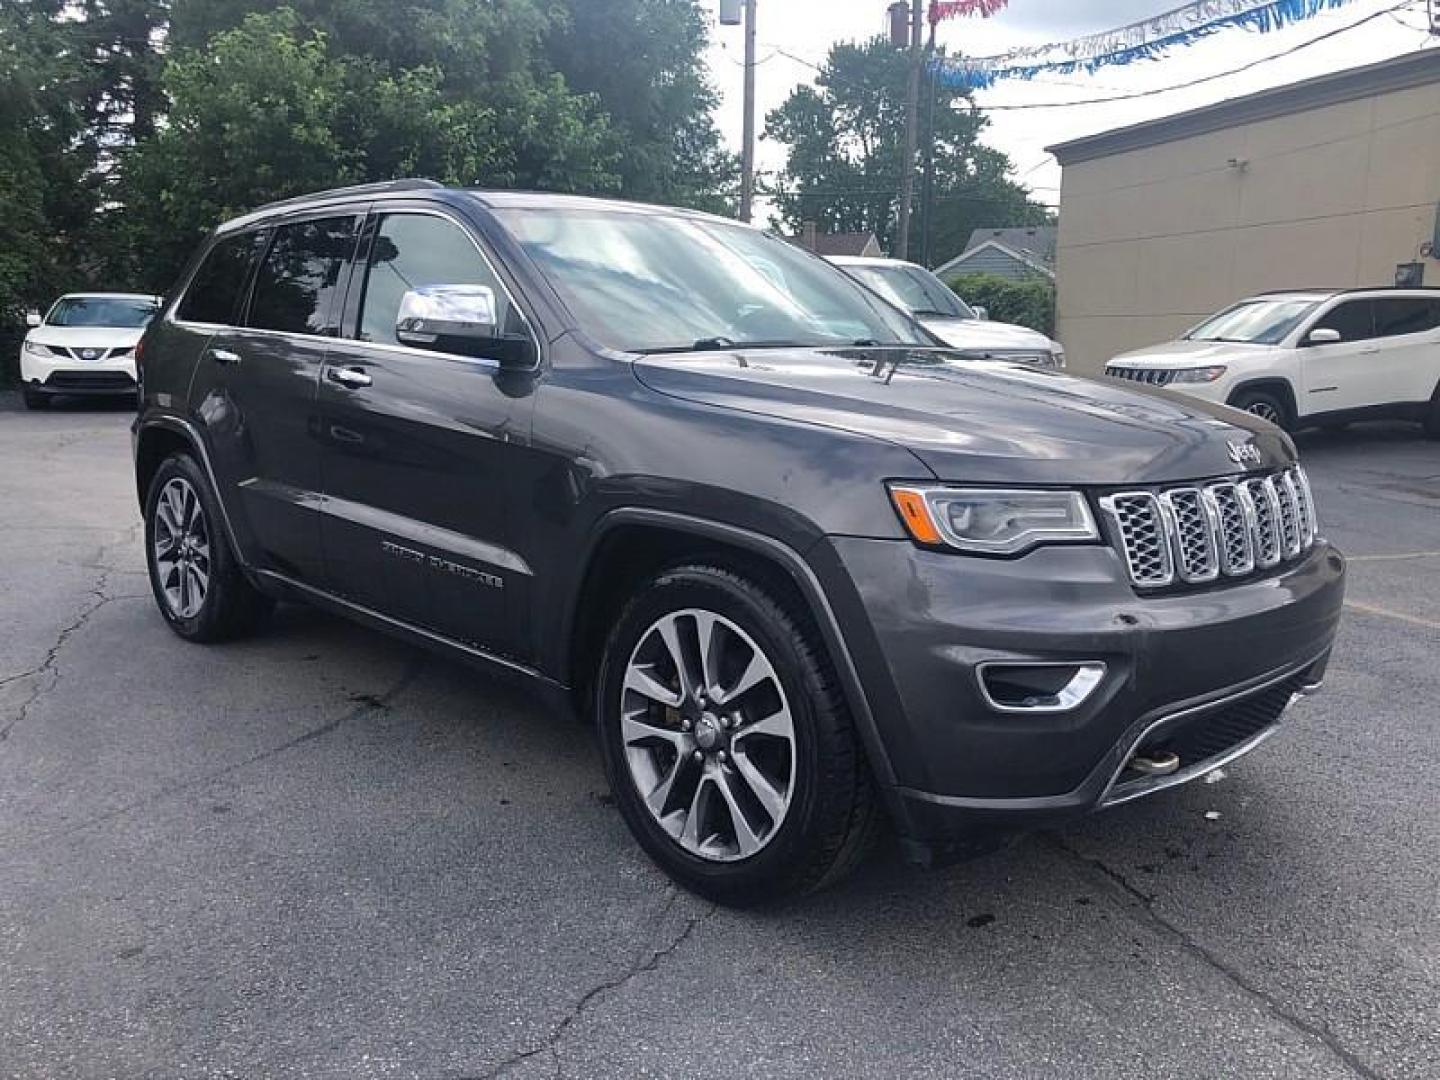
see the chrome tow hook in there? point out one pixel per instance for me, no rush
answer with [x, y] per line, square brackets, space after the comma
[1162, 763]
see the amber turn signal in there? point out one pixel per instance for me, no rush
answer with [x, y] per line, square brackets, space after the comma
[915, 513]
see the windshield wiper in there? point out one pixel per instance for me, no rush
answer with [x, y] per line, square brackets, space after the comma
[720, 344]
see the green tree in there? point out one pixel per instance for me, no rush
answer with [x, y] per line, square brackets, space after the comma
[270, 108]
[846, 138]
[643, 61]
[48, 188]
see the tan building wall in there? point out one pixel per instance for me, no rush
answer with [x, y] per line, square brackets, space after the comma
[1156, 237]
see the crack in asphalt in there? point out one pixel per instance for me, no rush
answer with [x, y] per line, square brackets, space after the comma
[371, 704]
[48, 665]
[557, 1034]
[1143, 906]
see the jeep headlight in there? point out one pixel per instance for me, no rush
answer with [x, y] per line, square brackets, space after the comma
[1197, 374]
[992, 521]
[34, 348]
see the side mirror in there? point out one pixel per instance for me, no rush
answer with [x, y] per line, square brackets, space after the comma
[1323, 336]
[32, 318]
[461, 319]
[981, 313]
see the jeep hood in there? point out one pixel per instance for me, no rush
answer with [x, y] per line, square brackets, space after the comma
[1184, 353]
[981, 421]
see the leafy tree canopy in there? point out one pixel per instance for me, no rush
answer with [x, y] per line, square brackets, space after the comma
[846, 139]
[129, 127]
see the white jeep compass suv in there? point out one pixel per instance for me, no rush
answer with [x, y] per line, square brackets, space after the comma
[1314, 357]
[85, 345]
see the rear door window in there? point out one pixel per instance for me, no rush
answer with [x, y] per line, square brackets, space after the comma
[1354, 319]
[214, 292]
[1399, 315]
[298, 281]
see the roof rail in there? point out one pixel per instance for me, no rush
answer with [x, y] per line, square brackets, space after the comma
[1333, 291]
[379, 188]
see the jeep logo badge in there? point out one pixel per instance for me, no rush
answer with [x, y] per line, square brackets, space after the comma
[89, 354]
[1246, 454]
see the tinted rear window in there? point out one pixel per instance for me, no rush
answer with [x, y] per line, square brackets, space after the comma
[215, 291]
[297, 280]
[1406, 315]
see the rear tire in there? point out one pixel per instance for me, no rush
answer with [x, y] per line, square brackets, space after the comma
[1267, 405]
[198, 584]
[1432, 420]
[35, 400]
[807, 807]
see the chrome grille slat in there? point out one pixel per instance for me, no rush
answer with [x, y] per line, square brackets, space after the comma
[1148, 376]
[1227, 528]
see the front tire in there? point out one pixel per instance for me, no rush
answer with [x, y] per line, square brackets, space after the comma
[36, 400]
[197, 581]
[1267, 405]
[727, 740]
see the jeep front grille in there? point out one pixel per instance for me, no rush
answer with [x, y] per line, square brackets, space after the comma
[1196, 534]
[1148, 376]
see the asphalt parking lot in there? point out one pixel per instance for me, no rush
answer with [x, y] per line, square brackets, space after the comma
[322, 853]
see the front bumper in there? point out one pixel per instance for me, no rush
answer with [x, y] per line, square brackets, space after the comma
[65, 375]
[1208, 669]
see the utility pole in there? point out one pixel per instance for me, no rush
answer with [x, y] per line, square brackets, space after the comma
[927, 191]
[747, 153]
[912, 117]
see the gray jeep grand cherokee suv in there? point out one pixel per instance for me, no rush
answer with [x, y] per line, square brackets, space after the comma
[806, 569]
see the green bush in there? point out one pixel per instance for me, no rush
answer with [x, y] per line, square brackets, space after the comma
[1026, 303]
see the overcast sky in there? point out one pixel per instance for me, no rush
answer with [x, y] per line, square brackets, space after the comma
[807, 29]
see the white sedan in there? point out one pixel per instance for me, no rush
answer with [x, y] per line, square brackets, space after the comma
[931, 302]
[84, 345]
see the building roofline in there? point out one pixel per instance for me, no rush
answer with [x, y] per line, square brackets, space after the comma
[1400, 73]
[1018, 256]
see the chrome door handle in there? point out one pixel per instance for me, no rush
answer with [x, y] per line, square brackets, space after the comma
[224, 356]
[352, 378]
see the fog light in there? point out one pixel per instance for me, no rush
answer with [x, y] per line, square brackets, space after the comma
[1039, 688]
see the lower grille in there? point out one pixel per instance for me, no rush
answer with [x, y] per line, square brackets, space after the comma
[1210, 737]
[1197, 534]
[90, 380]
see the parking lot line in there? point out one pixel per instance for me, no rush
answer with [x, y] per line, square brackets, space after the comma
[1371, 609]
[1405, 556]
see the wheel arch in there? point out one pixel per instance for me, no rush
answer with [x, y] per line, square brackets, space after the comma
[631, 545]
[1275, 384]
[158, 438]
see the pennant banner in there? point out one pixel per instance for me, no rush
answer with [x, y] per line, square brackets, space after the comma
[951, 9]
[1139, 41]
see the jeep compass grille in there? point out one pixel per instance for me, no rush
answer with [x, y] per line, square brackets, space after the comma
[1197, 534]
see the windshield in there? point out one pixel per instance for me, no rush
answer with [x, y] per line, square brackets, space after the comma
[917, 291]
[1257, 322]
[101, 311]
[656, 283]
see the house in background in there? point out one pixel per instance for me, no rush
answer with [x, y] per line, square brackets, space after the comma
[1330, 182]
[1017, 254]
[863, 244]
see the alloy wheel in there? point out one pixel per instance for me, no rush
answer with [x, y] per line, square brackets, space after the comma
[708, 735]
[182, 548]
[1265, 411]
